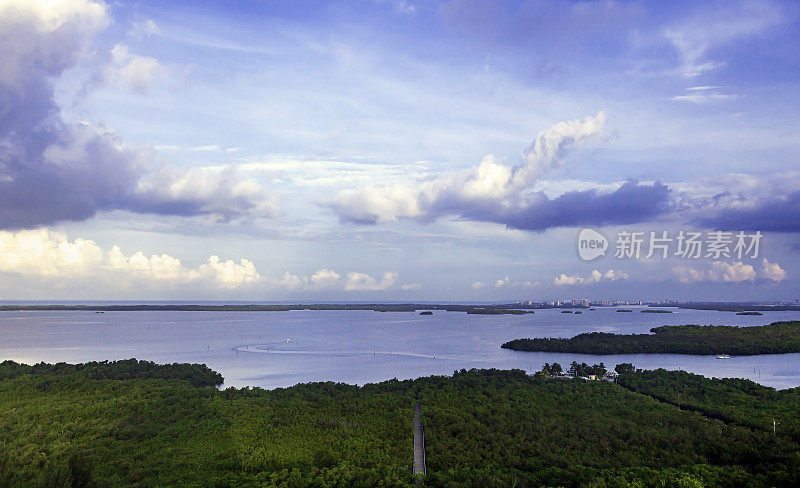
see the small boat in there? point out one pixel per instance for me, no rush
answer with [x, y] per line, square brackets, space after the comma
[723, 356]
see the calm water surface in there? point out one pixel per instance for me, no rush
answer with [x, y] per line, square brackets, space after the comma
[278, 349]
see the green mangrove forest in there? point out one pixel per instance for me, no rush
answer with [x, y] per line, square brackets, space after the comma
[775, 338]
[137, 424]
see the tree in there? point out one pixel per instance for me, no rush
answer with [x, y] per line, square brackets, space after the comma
[599, 369]
[574, 368]
[555, 369]
[624, 368]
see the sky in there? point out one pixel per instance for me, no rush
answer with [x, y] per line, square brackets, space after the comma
[399, 150]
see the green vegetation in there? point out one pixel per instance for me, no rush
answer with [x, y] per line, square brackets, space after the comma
[749, 313]
[554, 369]
[624, 310]
[650, 310]
[576, 370]
[127, 369]
[734, 400]
[775, 338]
[624, 368]
[498, 311]
[72, 426]
[738, 307]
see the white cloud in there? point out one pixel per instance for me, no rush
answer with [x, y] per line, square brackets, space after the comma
[594, 277]
[216, 191]
[695, 38]
[772, 271]
[230, 274]
[46, 37]
[411, 286]
[478, 285]
[208, 148]
[291, 281]
[324, 279]
[327, 279]
[568, 280]
[43, 253]
[363, 281]
[489, 183]
[702, 95]
[736, 272]
[145, 28]
[507, 282]
[52, 255]
[717, 272]
[132, 70]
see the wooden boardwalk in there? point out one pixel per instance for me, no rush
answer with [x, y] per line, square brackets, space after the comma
[419, 443]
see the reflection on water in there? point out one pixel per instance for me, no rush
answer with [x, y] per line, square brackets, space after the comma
[251, 348]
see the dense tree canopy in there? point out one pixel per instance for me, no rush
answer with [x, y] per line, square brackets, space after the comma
[70, 426]
[127, 369]
[775, 338]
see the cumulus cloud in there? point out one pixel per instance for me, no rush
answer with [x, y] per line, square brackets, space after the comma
[772, 271]
[717, 271]
[51, 170]
[735, 272]
[411, 286]
[490, 182]
[495, 192]
[502, 282]
[52, 255]
[478, 285]
[363, 281]
[507, 282]
[218, 192]
[594, 277]
[327, 279]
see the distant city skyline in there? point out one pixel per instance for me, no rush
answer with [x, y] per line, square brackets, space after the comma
[398, 150]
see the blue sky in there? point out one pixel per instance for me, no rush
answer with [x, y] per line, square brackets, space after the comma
[394, 150]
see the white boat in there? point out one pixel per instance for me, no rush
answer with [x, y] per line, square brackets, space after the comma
[723, 356]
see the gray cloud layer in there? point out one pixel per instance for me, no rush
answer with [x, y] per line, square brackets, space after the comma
[631, 203]
[775, 213]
